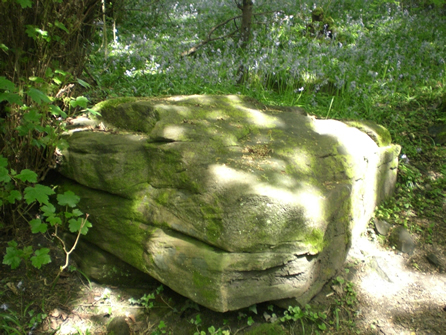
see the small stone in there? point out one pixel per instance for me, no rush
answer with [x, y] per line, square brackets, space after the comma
[433, 259]
[438, 132]
[375, 266]
[402, 240]
[382, 227]
[118, 326]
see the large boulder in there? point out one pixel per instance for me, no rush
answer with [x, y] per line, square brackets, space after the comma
[227, 201]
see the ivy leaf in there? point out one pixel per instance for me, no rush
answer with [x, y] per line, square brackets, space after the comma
[68, 199]
[13, 196]
[48, 210]
[13, 256]
[6, 84]
[75, 225]
[77, 212]
[27, 176]
[41, 257]
[54, 220]
[37, 96]
[253, 309]
[4, 176]
[37, 226]
[60, 25]
[25, 3]
[38, 193]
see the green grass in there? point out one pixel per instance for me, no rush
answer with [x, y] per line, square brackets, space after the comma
[385, 64]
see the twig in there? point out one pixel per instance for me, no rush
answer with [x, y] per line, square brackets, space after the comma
[67, 253]
[166, 303]
[209, 39]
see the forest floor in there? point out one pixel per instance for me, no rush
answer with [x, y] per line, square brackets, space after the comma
[379, 291]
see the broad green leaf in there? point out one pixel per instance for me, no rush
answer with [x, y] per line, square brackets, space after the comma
[4, 47]
[38, 193]
[54, 220]
[37, 226]
[3, 161]
[68, 199]
[75, 225]
[55, 110]
[93, 112]
[57, 80]
[41, 257]
[79, 101]
[12, 98]
[6, 84]
[13, 196]
[32, 116]
[48, 209]
[27, 176]
[36, 79]
[25, 3]
[27, 251]
[83, 83]
[62, 72]
[4, 176]
[48, 72]
[13, 256]
[60, 25]
[12, 244]
[37, 95]
[77, 212]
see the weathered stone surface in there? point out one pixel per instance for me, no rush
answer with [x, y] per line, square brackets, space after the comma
[227, 201]
[382, 227]
[105, 268]
[401, 239]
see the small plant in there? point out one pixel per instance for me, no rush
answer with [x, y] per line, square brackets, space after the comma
[305, 315]
[49, 217]
[147, 300]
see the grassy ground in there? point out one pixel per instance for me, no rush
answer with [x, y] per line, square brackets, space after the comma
[385, 62]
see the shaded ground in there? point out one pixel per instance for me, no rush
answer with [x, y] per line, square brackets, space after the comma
[380, 291]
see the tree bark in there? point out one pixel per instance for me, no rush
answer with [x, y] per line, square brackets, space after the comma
[245, 36]
[246, 22]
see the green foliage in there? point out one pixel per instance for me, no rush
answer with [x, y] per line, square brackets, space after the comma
[305, 315]
[147, 300]
[49, 218]
[210, 331]
[12, 322]
[349, 296]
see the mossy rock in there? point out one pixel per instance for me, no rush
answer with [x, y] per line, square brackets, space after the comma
[227, 201]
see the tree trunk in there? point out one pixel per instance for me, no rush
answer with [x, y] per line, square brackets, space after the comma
[245, 36]
[246, 22]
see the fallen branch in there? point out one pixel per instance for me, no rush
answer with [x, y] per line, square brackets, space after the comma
[209, 39]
